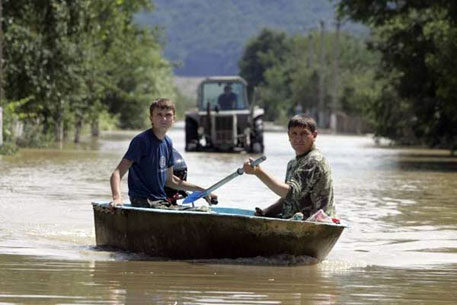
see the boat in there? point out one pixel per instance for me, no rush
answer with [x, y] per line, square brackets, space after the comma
[217, 232]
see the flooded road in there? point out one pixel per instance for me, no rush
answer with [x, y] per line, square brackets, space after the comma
[401, 247]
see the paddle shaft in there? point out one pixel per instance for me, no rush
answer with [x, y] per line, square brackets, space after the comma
[194, 196]
[237, 173]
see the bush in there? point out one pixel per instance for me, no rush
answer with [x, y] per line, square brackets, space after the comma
[8, 148]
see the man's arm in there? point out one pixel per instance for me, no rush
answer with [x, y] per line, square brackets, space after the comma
[278, 187]
[272, 210]
[178, 184]
[182, 185]
[115, 181]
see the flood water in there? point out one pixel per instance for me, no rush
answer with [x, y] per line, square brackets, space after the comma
[401, 247]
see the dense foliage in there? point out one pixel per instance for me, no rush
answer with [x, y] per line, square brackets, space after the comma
[417, 41]
[207, 36]
[286, 71]
[70, 62]
[267, 50]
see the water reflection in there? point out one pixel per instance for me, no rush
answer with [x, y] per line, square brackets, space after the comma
[427, 160]
[146, 282]
[140, 282]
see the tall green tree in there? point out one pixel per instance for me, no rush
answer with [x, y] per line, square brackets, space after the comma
[262, 52]
[416, 40]
[76, 59]
[41, 56]
[130, 70]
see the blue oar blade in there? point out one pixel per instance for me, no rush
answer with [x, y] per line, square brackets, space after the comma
[193, 197]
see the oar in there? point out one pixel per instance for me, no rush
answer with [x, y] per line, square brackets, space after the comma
[200, 194]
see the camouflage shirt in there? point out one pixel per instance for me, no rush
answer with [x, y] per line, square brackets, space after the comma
[311, 186]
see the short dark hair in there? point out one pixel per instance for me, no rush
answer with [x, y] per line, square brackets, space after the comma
[162, 103]
[302, 120]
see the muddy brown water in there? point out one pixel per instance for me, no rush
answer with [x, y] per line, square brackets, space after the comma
[401, 247]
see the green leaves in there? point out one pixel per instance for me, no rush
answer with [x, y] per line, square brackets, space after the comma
[80, 58]
[417, 42]
[286, 71]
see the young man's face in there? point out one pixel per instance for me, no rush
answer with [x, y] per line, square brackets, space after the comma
[162, 119]
[301, 139]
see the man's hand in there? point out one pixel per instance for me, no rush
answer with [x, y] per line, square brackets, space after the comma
[115, 203]
[248, 169]
[259, 212]
[211, 199]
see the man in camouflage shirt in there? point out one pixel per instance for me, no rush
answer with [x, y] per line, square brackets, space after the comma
[308, 186]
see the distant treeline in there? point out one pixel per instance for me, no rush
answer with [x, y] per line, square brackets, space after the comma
[321, 73]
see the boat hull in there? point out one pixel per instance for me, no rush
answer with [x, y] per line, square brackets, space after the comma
[221, 233]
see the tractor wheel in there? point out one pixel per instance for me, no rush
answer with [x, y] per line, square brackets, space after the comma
[257, 146]
[257, 143]
[191, 128]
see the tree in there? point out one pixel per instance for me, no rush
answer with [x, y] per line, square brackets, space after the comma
[416, 40]
[266, 50]
[41, 56]
[74, 60]
[292, 82]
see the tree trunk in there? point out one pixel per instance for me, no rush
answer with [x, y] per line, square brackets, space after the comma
[95, 128]
[58, 123]
[78, 128]
[58, 130]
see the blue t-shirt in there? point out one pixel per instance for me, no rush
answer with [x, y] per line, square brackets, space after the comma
[151, 158]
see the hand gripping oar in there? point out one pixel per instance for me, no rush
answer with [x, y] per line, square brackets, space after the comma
[200, 194]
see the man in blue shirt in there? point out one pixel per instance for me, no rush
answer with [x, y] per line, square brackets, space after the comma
[149, 160]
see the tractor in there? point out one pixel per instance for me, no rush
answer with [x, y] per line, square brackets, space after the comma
[224, 121]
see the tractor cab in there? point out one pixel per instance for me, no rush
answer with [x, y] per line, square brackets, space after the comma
[224, 119]
[223, 95]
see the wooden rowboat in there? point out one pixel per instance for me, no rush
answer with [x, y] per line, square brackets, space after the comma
[219, 233]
